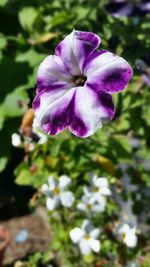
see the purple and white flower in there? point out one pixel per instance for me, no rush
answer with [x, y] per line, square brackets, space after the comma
[74, 85]
[56, 192]
[122, 8]
[86, 238]
[127, 235]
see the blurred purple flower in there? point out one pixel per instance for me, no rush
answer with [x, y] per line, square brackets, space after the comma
[143, 66]
[121, 8]
[74, 86]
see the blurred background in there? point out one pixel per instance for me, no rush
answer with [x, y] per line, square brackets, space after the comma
[29, 31]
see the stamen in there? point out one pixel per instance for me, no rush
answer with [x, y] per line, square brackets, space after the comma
[79, 80]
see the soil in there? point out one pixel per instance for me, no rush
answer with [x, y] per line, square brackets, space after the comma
[29, 234]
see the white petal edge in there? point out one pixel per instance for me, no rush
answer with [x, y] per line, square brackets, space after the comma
[64, 181]
[76, 234]
[67, 198]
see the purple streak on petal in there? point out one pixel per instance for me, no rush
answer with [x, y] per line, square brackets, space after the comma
[52, 74]
[36, 102]
[88, 41]
[77, 126]
[58, 117]
[75, 48]
[105, 100]
[92, 56]
[112, 80]
[57, 123]
[61, 117]
[44, 87]
[92, 109]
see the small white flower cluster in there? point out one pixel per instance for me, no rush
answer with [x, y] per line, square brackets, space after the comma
[93, 200]
[37, 136]
[56, 192]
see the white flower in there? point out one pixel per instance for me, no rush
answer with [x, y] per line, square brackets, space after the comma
[86, 238]
[91, 205]
[56, 192]
[16, 139]
[100, 186]
[128, 235]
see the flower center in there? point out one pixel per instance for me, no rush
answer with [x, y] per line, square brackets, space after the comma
[79, 80]
[89, 206]
[87, 237]
[56, 191]
[123, 236]
[96, 189]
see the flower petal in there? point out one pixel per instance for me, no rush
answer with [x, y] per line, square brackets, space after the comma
[45, 189]
[125, 228]
[94, 245]
[105, 191]
[108, 73]
[90, 110]
[87, 226]
[99, 207]
[100, 199]
[67, 198]
[52, 75]
[53, 81]
[82, 207]
[51, 183]
[130, 240]
[76, 234]
[42, 101]
[52, 203]
[55, 117]
[64, 181]
[95, 233]
[75, 48]
[100, 182]
[84, 247]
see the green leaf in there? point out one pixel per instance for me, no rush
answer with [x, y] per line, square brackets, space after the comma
[27, 17]
[3, 162]
[10, 107]
[30, 56]
[3, 2]
[3, 41]
[120, 148]
[89, 258]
